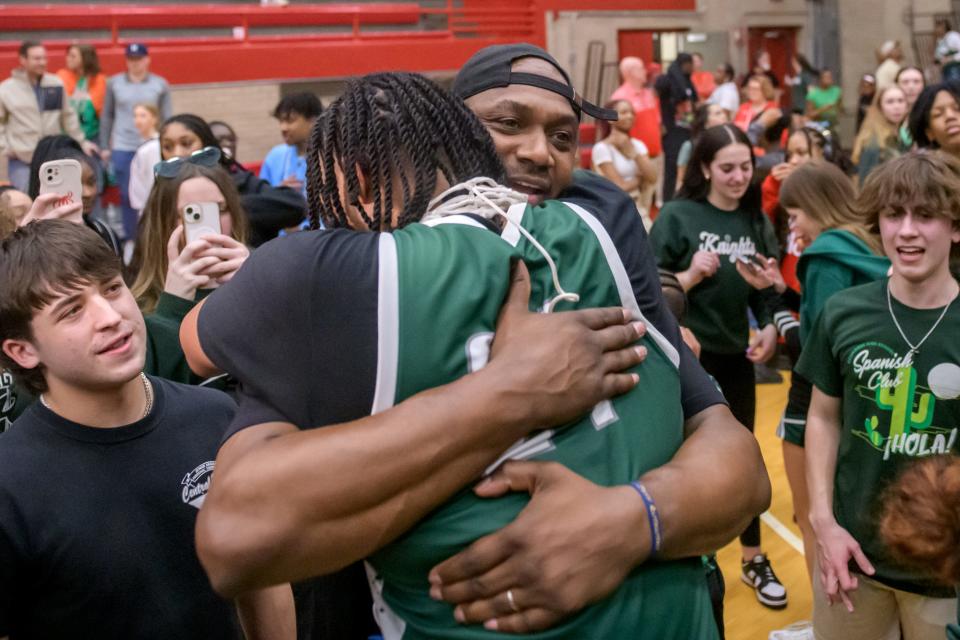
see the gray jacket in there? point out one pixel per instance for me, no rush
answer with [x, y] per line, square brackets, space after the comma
[116, 122]
[28, 113]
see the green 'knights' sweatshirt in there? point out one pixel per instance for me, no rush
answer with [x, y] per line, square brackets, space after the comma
[836, 260]
[718, 305]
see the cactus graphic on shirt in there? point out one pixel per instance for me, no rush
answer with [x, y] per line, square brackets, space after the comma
[870, 424]
[900, 400]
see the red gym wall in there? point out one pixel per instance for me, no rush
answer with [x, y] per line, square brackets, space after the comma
[323, 41]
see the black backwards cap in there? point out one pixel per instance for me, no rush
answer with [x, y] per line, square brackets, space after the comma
[489, 68]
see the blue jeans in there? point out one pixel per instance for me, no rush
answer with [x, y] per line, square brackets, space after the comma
[19, 174]
[121, 170]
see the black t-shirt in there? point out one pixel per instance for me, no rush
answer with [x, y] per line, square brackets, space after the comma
[328, 303]
[97, 525]
[324, 285]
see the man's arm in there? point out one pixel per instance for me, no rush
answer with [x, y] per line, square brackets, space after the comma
[821, 445]
[106, 117]
[268, 614]
[349, 489]
[704, 505]
[835, 546]
[4, 150]
[575, 542]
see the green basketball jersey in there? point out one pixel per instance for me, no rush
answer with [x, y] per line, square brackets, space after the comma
[441, 285]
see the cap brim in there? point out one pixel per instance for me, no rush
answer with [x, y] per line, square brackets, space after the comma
[599, 112]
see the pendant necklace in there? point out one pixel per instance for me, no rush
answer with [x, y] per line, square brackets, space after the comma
[915, 348]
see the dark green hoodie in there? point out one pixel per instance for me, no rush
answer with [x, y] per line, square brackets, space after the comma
[836, 260]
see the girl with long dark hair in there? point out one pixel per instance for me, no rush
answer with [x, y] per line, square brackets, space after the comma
[715, 222]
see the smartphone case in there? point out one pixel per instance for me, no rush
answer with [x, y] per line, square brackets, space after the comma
[62, 177]
[200, 219]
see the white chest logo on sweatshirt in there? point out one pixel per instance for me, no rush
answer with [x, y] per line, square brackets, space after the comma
[727, 246]
[196, 484]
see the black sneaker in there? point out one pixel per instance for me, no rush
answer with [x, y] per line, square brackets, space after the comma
[759, 574]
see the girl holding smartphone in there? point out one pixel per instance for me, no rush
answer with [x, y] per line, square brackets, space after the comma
[170, 270]
[714, 222]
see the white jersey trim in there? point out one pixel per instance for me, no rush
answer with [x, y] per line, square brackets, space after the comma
[391, 625]
[627, 297]
[455, 219]
[388, 325]
[511, 232]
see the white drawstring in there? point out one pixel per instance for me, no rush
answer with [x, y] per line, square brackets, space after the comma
[486, 198]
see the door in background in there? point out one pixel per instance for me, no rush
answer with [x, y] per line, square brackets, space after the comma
[636, 42]
[781, 44]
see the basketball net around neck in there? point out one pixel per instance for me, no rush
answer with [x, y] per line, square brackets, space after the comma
[487, 199]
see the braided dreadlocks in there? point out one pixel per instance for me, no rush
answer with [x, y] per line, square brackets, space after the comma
[398, 128]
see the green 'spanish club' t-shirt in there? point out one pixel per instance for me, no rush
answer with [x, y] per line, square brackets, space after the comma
[896, 406]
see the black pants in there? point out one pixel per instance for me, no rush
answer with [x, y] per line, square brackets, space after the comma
[672, 141]
[734, 374]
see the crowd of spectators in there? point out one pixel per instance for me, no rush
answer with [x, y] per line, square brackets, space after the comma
[301, 332]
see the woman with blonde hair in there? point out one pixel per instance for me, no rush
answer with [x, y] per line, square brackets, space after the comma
[761, 96]
[879, 138]
[146, 118]
[170, 270]
[839, 252]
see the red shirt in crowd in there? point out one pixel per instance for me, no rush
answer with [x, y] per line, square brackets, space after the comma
[646, 127]
[748, 113]
[770, 203]
[704, 83]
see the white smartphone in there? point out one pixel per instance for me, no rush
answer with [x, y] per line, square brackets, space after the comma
[63, 178]
[200, 219]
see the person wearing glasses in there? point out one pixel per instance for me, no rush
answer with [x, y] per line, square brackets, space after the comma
[171, 272]
[269, 209]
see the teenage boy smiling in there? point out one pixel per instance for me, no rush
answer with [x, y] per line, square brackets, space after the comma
[883, 361]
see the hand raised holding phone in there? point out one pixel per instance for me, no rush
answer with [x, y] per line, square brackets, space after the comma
[761, 272]
[46, 207]
[231, 254]
[185, 266]
[61, 186]
[207, 259]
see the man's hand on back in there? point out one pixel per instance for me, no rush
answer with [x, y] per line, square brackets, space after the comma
[552, 368]
[573, 544]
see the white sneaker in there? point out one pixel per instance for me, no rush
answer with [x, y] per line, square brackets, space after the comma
[758, 574]
[802, 630]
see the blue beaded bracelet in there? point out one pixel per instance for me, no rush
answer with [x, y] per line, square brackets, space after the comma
[653, 518]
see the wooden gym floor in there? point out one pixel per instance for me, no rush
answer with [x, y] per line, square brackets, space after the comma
[745, 618]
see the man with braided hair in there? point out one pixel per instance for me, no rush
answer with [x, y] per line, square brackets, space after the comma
[429, 307]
